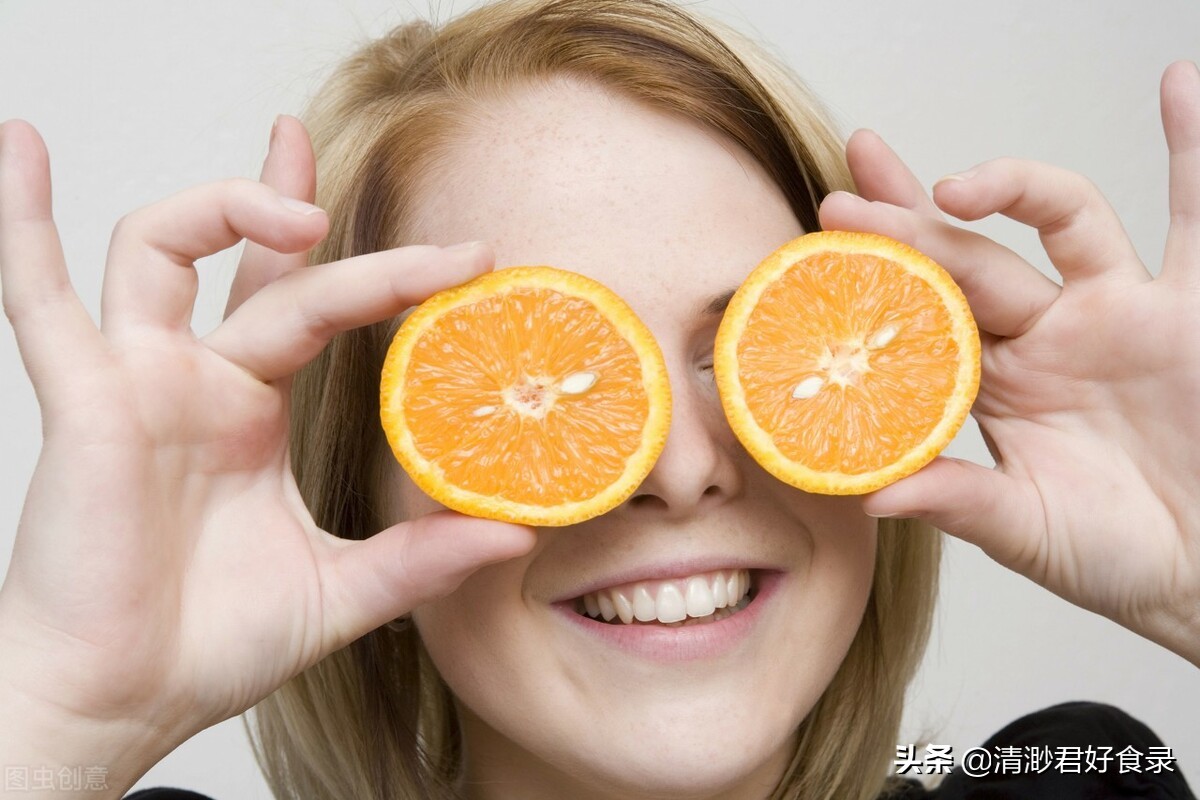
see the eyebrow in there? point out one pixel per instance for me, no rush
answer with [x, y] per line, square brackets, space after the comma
[717, 304]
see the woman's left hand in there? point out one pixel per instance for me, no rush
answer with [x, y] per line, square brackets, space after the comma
[1090, 395]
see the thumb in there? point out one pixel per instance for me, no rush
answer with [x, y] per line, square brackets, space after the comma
[367, 583]
[983, 506]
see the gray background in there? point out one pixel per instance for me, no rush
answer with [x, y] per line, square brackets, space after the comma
[138, 100]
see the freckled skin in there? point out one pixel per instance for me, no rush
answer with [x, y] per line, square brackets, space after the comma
[667, 215]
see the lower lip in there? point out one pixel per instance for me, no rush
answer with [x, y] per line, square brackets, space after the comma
[685, 643]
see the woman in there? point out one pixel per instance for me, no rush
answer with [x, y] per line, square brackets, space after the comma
[624, 141]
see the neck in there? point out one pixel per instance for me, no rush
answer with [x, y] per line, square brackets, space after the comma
[496, 768]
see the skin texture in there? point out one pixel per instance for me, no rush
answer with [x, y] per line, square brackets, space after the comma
[665, 214]
[1087, 398]
[124, 626]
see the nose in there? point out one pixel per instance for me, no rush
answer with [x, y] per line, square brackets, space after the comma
[697, 469]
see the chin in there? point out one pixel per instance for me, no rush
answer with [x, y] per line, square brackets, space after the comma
[665, 763]
[704, 747]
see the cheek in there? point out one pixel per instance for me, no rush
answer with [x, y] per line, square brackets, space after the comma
[476, 627]
[841, 575]
[842, 568]
[481, 624]
[407, 499]
[826, 597]
[853, 543]
[819, 619]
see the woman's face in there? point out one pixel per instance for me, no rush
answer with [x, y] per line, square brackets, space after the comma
[669, 216]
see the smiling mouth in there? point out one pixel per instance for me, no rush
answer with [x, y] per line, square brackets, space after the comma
[695, 600]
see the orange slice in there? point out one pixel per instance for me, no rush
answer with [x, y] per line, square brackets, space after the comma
[530, 394]
[846, 361]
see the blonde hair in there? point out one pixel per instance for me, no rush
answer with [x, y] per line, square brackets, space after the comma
[374, 720]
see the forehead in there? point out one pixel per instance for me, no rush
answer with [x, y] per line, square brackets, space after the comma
[661, 210]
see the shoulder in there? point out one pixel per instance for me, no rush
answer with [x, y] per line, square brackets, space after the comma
[1069, 751]
[1064, 723]
[164, 793]
[905, 789]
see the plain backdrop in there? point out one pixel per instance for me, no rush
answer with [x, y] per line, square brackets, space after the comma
[138, 100]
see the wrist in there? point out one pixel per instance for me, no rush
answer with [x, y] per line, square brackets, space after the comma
[1177, 628]
[48, 750]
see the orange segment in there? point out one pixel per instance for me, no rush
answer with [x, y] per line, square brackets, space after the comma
[846, 361]
[531, 395]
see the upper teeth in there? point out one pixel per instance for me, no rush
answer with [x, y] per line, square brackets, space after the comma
[671, 600]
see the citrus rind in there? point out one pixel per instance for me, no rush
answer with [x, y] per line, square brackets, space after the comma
[431, 478]
[759, 442]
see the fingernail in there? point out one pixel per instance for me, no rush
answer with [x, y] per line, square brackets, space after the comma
[885, 515]
[462, 246]
[956, 176]
[850, 196]
[298, 206]
[274, 128]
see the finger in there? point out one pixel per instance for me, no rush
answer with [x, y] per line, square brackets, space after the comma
[879, 174]
[285, 325]
[50, 322]
[1180, 96]
[1078, 228]
[291, 170]
[979, 505]
[1005, 292]
[370, 582]
[150, 278]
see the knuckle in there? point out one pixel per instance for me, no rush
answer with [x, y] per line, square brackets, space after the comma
[128, 225]
[31, 312]
[313, 320]
[424, 253]
[241, 187]
[139, 221]
[1079, 187]
[11, 311]
[1007, 166]
[238, 194]
[1088, 188]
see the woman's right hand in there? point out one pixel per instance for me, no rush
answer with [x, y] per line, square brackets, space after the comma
[166, 574]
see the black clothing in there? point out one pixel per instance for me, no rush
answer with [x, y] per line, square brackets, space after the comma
[1061, 735]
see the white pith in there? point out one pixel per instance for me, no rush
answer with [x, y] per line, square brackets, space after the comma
[535, 396]
[710, 596]
[844, 364]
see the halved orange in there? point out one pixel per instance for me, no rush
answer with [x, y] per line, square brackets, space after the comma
[530, 394]
[846, 361]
